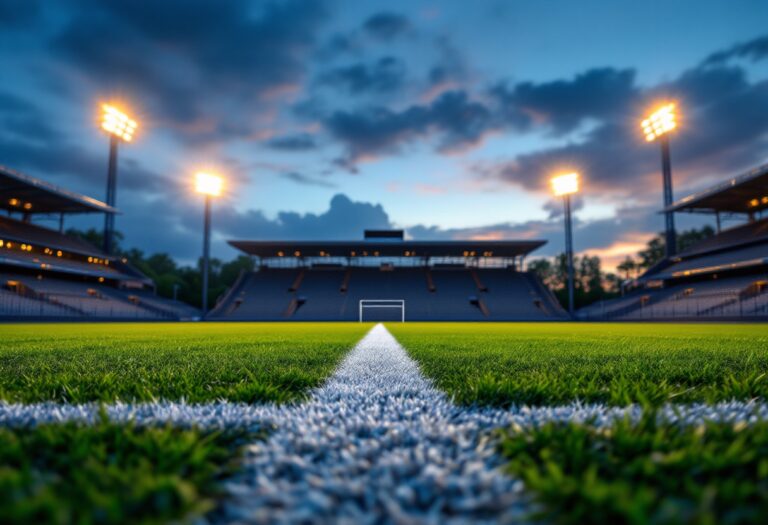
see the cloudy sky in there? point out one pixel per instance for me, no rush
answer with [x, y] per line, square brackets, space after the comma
[442, 117]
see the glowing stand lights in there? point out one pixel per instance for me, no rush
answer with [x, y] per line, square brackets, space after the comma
[658, 126]
[564, 186]
[210, 186]
[120, 127]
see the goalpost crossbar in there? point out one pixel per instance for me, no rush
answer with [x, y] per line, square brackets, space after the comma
[382, 303]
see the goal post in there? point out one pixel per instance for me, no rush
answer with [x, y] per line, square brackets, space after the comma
[381, 303]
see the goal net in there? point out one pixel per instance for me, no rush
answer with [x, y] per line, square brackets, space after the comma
[366, 304]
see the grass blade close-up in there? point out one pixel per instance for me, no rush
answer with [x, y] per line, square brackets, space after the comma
[644, 471]
[113, 473]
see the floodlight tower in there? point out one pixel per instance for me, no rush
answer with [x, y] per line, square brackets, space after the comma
[657, 126]
[210, 186]
[564, 186]
[120, 127]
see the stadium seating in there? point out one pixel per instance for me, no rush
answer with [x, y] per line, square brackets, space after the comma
[729, 297]
[334, 294]
[744, 234]
[43, 296]
[705, 263]
[31, 233]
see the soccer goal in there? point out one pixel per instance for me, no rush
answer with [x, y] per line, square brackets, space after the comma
[382, 303]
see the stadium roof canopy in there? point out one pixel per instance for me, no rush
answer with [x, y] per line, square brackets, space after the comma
[387, 248]
[746, 193]
[22, 193]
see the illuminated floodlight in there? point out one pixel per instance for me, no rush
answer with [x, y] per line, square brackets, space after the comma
[660, 122]
[565, 184]
[208, 184]
[117, 123]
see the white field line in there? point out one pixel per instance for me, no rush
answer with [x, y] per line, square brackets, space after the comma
[377, 443]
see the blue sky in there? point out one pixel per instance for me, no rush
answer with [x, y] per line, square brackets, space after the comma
[445, 118]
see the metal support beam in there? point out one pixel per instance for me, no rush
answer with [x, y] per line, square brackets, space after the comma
[206, 252]
[109, 218]
[669, 217]
[569, 250]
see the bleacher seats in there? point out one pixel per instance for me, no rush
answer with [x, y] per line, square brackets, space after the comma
[25, 295]
[738, 257]
[31, 233]
[334, 293]
[728, 297]
[751, 232]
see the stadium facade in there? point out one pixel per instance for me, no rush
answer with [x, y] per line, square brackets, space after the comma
[46, 274]
[723, 277]
[386, 277]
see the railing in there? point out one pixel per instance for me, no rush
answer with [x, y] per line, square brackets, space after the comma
[13, 305]
[703, 306]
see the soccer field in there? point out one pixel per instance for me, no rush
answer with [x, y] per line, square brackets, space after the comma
[637, 466]
[552, 363]
[247, 362]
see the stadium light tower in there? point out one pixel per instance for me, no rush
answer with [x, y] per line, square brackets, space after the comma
[120, 127]
[210, 186]
[657, 126]
[564, 186]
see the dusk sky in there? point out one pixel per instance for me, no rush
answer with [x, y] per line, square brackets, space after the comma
[443, 118]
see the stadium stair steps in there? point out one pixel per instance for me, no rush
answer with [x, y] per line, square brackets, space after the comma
[478, 283]
[297, 282]
[480, 305]
[230, 300]
[293, 306]
[548, 303]
[430, 282]
[719, 307]
[345, 282]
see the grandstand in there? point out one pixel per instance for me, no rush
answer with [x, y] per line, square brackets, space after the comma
[723, 277]
[384, 273]
[45, 274]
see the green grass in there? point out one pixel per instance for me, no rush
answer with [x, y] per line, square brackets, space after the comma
[247, 362]
[646, 472]
[110, 473]
[551, 363]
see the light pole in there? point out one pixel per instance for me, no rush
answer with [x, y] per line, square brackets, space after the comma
[657, 126]
[120, 127]
[564, 186]
[210, 186]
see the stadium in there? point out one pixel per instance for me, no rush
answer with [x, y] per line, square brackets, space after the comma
[723, 277]
[505, 315]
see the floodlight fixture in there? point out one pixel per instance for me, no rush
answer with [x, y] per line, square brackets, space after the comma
[208, 184]
[117, 123]
[120, 127]
[565, 184]
[658, 126]
[660, 122]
